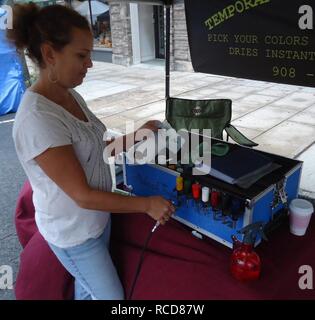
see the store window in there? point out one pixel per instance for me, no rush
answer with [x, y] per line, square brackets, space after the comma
[40, 3]
[97, 13]
[99, 17]
[103, 36]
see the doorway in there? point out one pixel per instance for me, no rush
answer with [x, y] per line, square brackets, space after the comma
[158, 15]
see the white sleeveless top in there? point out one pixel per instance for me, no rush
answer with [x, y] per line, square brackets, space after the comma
[41, 124]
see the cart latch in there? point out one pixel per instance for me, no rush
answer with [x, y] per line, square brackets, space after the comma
[280, 195]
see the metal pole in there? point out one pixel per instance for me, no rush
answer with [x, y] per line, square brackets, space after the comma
[167, 51]
[91, 19]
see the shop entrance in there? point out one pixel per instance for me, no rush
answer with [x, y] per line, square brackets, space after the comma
[158, 14]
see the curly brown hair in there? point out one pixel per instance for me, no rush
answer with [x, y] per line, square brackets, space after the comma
[33, 26]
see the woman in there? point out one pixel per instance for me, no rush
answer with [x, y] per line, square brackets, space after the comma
[60, 145]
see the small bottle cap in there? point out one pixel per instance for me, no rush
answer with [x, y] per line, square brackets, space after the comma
[187, 186]
[196, 190]
[205, 194]
[179, 183]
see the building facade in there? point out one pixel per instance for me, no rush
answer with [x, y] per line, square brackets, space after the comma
[137, 32]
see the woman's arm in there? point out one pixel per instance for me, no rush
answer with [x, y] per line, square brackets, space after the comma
[62, 166]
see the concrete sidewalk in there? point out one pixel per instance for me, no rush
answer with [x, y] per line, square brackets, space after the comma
[281, 118]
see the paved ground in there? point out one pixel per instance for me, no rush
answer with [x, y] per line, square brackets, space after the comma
[281, 118]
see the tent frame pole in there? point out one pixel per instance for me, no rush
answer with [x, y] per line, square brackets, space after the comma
[91, 19]
[167, 51]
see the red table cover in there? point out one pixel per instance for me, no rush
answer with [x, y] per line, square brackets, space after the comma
[176, 264]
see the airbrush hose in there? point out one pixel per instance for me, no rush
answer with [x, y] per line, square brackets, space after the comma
[142, 256]
[141, 259]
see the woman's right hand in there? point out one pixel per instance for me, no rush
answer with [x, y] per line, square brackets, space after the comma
[160, 209]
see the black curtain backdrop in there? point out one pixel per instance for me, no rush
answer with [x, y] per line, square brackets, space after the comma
[254, 39]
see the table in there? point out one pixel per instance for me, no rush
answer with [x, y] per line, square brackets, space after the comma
[176, 265]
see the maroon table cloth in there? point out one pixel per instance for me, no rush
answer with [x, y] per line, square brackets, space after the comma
[176, 264]
[40, 275]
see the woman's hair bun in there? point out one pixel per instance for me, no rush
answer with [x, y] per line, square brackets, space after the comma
[53, 24]
[24, 17]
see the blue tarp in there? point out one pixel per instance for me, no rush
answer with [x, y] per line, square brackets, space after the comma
[12, 84]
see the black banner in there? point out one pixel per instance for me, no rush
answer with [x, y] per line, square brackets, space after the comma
[270, 40]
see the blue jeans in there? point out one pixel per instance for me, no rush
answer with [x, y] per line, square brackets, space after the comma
[90, 264]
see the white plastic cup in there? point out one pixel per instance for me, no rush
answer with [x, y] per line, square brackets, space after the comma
[300, 211]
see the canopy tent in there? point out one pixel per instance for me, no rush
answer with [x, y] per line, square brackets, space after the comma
[104, 16]
[11, 76]
[92, 9]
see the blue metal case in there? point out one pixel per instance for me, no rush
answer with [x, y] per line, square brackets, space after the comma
[267, 204]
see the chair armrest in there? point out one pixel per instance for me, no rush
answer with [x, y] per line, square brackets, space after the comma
[238, 137]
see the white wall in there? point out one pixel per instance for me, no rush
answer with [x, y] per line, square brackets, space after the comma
[135, 34]
[142, 32]
[146, 32]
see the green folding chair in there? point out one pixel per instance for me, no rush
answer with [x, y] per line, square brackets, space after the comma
[214, 114]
